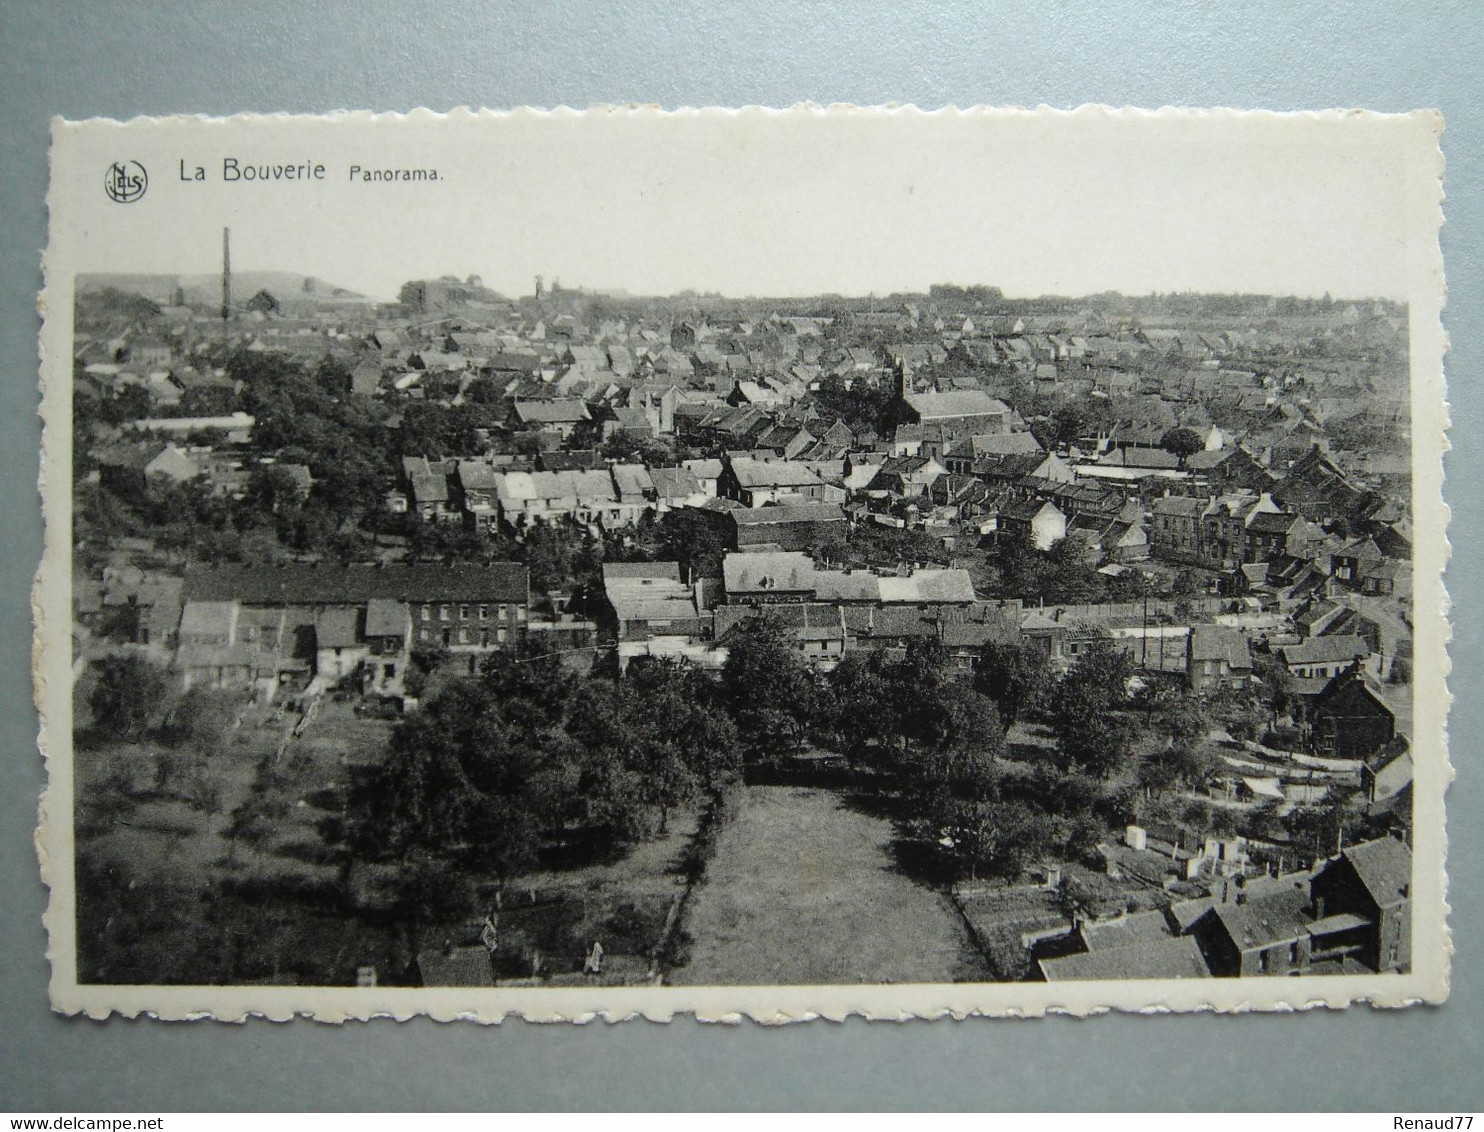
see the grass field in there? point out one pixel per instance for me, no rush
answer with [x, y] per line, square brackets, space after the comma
[804, 889]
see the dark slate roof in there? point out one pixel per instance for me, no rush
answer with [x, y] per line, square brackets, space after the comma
[1177, 958]
[385, 618]
[1205, 461]
[1183, 505]
[1272, 522]
[789, 513]
[1325, 650]
[337, 627]
[1266, 920]
[1384, 867]
[1217, 642]
[551, 412]
[301, 584]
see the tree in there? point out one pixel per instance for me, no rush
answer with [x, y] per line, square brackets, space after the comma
[999, 838]
[1240, 713]
[682, 711]
[864, 406]
[1090, 732]
[271, 488]
[1320, 831]
[1183, 442]
[1188, 583]
[561, 555]
[861, 706]
[428, 892]
[1047, 432]
[1182, 720]
[201, 720]
[769, 691]
[936, 713]
[1176, 765]
[1016, 676]
[129, 693]
[457, 783]
[692, 539]
[426, 659]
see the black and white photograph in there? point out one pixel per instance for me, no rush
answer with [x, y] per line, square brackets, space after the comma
[767, 564]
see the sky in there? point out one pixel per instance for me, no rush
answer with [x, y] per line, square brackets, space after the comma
[774, 204]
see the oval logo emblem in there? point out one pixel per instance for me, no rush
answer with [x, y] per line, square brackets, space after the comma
[125, 181]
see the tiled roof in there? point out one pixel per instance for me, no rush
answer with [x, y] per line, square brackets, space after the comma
[1265, 920]
[1384, 867]
[1325, 650]
[551, 412]
[301, 584]
[963, 403]
[1176, 958]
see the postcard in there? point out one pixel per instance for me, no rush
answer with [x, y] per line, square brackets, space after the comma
[769, 564]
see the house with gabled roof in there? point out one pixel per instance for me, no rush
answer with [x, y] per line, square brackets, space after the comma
[1253, 935]
[1037, 522]
[753, 482]
[1349, 562]
[960, 412]
[1217, 657]
[1357, 715]
[1362, 904]
[1323, 657]
[560, 416]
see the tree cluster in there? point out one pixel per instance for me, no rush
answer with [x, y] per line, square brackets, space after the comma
[526, 758]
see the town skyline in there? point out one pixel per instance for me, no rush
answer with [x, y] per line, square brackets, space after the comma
[132, 281]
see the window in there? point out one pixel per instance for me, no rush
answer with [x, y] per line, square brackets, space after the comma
[484, 638]
[443, 612]
[388, 671]
[463, 636]
[463, 613]
[484, 612]
[427, 613]
[501, 634]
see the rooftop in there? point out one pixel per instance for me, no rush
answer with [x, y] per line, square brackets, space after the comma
[1175, 958]
[301, 584]
[959, 403]
[1384, 867]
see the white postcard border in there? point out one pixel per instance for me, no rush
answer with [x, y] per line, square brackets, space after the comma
[1427, 982]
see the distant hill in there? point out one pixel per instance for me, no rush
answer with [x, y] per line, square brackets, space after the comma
[204, 288]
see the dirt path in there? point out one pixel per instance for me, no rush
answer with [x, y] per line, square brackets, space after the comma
[803, 889]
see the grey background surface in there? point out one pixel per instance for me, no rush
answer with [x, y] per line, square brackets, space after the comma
[119, 60]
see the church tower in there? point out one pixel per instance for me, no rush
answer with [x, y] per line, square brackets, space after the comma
[903, 378]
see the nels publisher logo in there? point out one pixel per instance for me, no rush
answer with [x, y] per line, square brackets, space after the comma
[125, 181]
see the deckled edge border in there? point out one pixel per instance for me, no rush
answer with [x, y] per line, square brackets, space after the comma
[768, 1005]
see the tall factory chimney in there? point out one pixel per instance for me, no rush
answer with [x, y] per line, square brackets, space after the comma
[226, 274]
